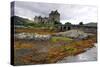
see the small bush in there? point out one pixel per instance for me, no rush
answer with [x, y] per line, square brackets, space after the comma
[57, 39]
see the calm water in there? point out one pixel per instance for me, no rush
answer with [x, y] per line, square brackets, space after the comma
[89, 55]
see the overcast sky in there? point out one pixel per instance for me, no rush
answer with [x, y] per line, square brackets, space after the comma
[68, 12]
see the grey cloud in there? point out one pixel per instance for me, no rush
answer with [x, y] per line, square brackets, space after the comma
[68, 12]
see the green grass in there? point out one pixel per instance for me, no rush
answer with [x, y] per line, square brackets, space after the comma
[57, 39]
[69, 49]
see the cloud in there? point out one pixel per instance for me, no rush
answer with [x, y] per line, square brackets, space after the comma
[67, 12]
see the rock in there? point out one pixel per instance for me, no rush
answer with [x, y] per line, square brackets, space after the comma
[32, 36]
[73, 34]
[24, 35]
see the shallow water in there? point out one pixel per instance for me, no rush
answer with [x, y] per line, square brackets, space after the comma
[89, 55]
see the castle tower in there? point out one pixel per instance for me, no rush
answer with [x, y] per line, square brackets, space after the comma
[35, 19]
[38, 19]
[54, 16]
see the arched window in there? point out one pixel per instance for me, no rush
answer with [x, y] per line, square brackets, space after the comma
[69, 27]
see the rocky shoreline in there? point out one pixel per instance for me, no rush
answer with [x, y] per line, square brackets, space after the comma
[63, 54]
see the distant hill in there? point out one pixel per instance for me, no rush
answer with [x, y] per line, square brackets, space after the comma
[91, 24]
[19, 20]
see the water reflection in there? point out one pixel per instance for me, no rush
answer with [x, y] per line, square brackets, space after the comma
[89, 55]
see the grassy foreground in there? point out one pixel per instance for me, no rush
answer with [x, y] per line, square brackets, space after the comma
[55, 53]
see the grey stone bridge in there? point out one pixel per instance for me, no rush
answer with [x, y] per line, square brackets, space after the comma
[88, 29]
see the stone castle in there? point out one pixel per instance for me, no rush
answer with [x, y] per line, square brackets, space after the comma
[53, 16]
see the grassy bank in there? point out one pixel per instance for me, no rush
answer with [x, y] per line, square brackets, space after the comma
[35, 30]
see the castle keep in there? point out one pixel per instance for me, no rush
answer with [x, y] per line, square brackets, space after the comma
[53, 16]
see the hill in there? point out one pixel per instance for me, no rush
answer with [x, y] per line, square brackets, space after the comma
[91, 24]
[19, 20]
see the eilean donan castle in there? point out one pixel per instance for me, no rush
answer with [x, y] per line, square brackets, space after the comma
[53, 16]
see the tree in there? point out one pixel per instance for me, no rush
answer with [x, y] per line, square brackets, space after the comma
[56, 23]
[67, 23]
[81, 23]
